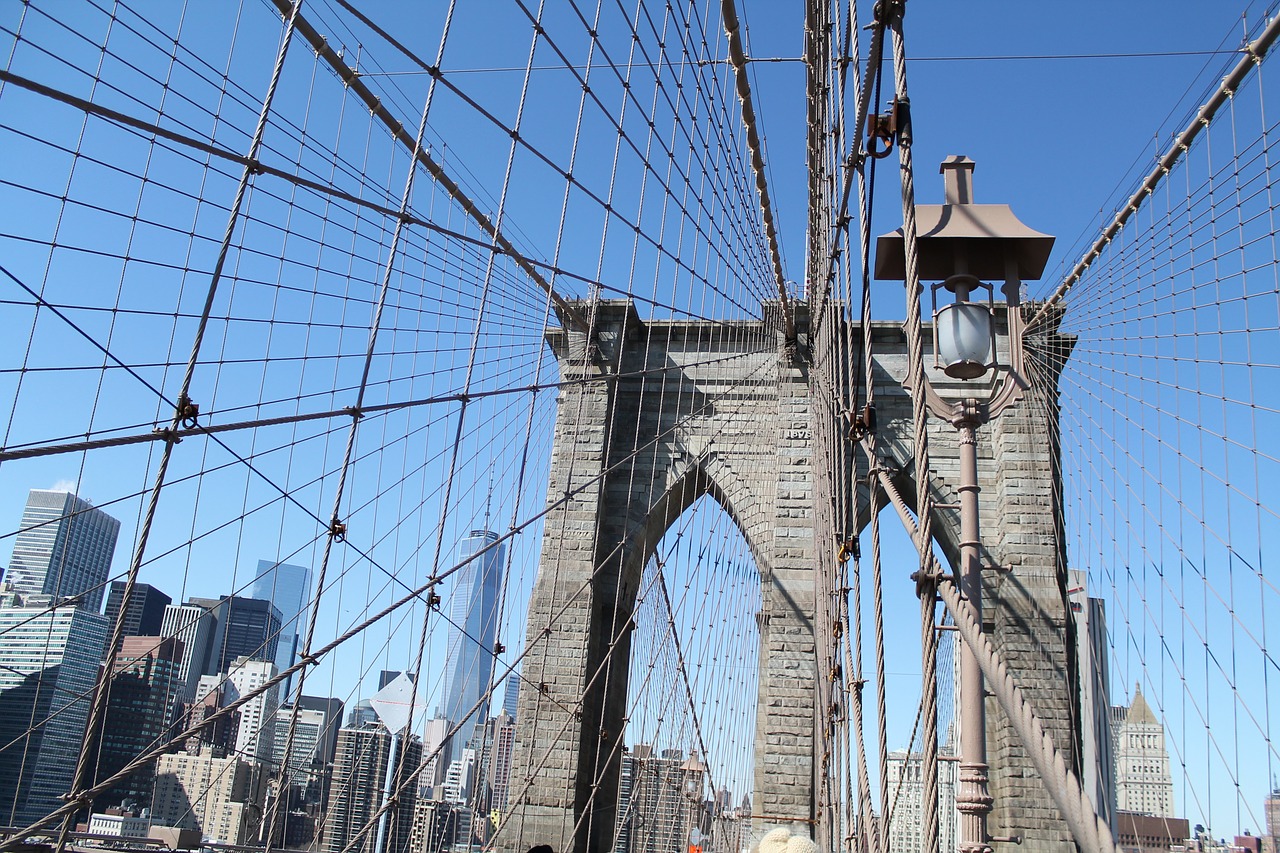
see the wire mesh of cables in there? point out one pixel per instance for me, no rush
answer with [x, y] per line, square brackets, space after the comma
[279, 283]
[1168, 406]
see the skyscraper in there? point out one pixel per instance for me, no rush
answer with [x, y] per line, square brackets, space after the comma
[219, 796]
[511, 694]
[1143, 782]
[63, 548]
[498, 766]
[245, 628]
[1097, 759]
[144, 682]
[437, 750]
[254, 737]
[473, 611]
[49, 660]
[308, 730]
[314, 739]
[356, 790]
[660, 800]
[1271, 812]
[332, 710]
[145, 616]
[194, 626]
[906, 800]
[288, 588]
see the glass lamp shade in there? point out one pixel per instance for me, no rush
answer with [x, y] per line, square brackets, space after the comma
[964, 339]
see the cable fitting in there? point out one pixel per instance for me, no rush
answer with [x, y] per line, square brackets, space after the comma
[902, 121]
[888, 11]
[167, 435]
[862, 423]
[433, 599]
[926, 583]
[498, 648]
[338, 530]
[880, 133]
[850, 548]
[187, 412]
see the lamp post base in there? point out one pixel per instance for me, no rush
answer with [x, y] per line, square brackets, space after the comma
[973, 801]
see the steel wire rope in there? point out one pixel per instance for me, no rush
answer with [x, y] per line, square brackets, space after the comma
[600, 564]
[638, 45]
[1167, 489]
[663, 38]
[97, 707]
[1254, 52]
[588, 812]
[1060, 780]
[1183, 562]
[501, 211]
[419, 222]
[282, 780]
[394, 247]
[225, 80]
[926, 579]
[866, 192]
[442, 76]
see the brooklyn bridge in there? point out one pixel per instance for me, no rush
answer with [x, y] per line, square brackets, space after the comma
[636, 427]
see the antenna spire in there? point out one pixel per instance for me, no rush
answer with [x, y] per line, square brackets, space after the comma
[488, 501]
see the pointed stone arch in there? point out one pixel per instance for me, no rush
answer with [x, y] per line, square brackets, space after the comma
[652, 417]
[689, 479]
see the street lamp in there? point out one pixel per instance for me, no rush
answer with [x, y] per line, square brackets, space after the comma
[962, 245]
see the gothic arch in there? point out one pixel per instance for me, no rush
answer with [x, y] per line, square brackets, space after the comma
[685, 480]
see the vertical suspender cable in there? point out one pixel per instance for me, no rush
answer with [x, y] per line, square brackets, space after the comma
[926, 578]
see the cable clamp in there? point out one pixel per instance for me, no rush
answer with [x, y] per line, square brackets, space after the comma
[862, 422]
[926, 583]
[880, 132]
[167, 435]
[187, 412]
[887, 11]
[433, 599]
[338, 530]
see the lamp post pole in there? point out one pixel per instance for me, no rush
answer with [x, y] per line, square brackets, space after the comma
[963, 244]
[973, 800]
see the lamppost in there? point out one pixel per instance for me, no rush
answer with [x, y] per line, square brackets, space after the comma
[961, 245]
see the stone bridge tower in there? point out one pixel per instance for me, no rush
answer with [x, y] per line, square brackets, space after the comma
[654, 415]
